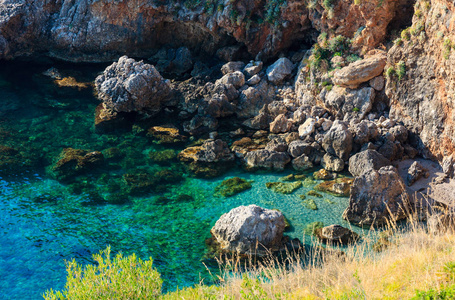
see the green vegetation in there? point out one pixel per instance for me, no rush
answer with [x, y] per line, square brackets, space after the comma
[447, 290]
[119, 278]
[325, 49]
[390, 72]
[401, 69]
[314, 194]
[406, 35]
[284, 187]
[273, 11]
[232, 186]
[311, 228]
[447, 48]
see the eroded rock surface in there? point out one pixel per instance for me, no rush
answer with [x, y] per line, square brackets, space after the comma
[245, 228]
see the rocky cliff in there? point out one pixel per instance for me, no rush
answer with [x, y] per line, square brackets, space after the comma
[102, 30]
[421, 73]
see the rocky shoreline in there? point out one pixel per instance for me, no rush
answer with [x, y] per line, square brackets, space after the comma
[237, 90]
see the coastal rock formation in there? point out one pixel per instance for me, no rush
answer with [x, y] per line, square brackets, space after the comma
[267, 159]
[338, 140]
[420, 81]
[376, 197]
[246, 229]
[365, 161]
[130, 86]
[73, 162]
[211, 151]
[360, 71]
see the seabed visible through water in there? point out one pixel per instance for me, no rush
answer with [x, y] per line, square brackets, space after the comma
[44, 222]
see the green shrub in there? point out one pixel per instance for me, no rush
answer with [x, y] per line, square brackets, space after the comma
[390, 72]
[447, 48]
[401, 69]
[406, 35]
[121, 278]
[398, 42]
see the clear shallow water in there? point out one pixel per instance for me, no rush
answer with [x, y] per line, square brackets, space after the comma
[44, 222]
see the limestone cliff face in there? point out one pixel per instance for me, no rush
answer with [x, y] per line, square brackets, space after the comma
[98, 30]
[421, 78]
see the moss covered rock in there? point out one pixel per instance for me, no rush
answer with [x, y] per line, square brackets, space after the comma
[284, 187]
[310, 204]
[323, 174]
[163, 157]
[73, 162]
[311, 228]
[314, 194]
[292, 177]
[166, 134]
[232, 186]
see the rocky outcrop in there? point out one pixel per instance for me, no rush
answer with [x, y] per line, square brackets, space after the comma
[338, 140]
[364, 21]
[415, 172]
[247, 229]
[365, 161]
[420, 81]
[266, 159]
[81, 30]
[278, 71]
[348, 104]
[211, 151]
[360, 71]
[130, 86]
[377, 197]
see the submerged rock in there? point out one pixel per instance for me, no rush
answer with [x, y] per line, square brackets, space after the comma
[163, 157]
[73, 162]
[311, 228]
[340, 187]
[232, 186]
[284, 187]
[166, 134]
[245, 228]
[376, 197]
[310, 204]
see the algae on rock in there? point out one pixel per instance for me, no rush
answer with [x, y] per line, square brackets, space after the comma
[284, 187]
[232, 186]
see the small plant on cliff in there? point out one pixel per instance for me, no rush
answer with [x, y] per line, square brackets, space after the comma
[390, 72]
[406, 35]
[401, 69]
[447, 48]
[119, 278]
[273, 10]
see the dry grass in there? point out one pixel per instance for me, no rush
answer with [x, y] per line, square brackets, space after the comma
[414, 261]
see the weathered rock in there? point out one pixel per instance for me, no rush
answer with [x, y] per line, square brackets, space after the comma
[232, 67]
[338, 140]
[281, 124]
[360, 71]
[332, 163]
[253, 99]
[130, 86]
[336, 234]
[415, 172]
[302, 163]
[448, 166]
[297, 148]
[281, 69]
[307, 128]
[253, 80]
[267, 159]
[377, 83]
[364, 132]
[277, 145]
[323, 174]
[237, 79]
[348, 104]
[376, 197]
[252, 68]
[245, 228]
[399, 132]
[211, 151]
[366, 161]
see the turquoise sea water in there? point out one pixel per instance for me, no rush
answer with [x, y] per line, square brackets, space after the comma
[44, 222]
